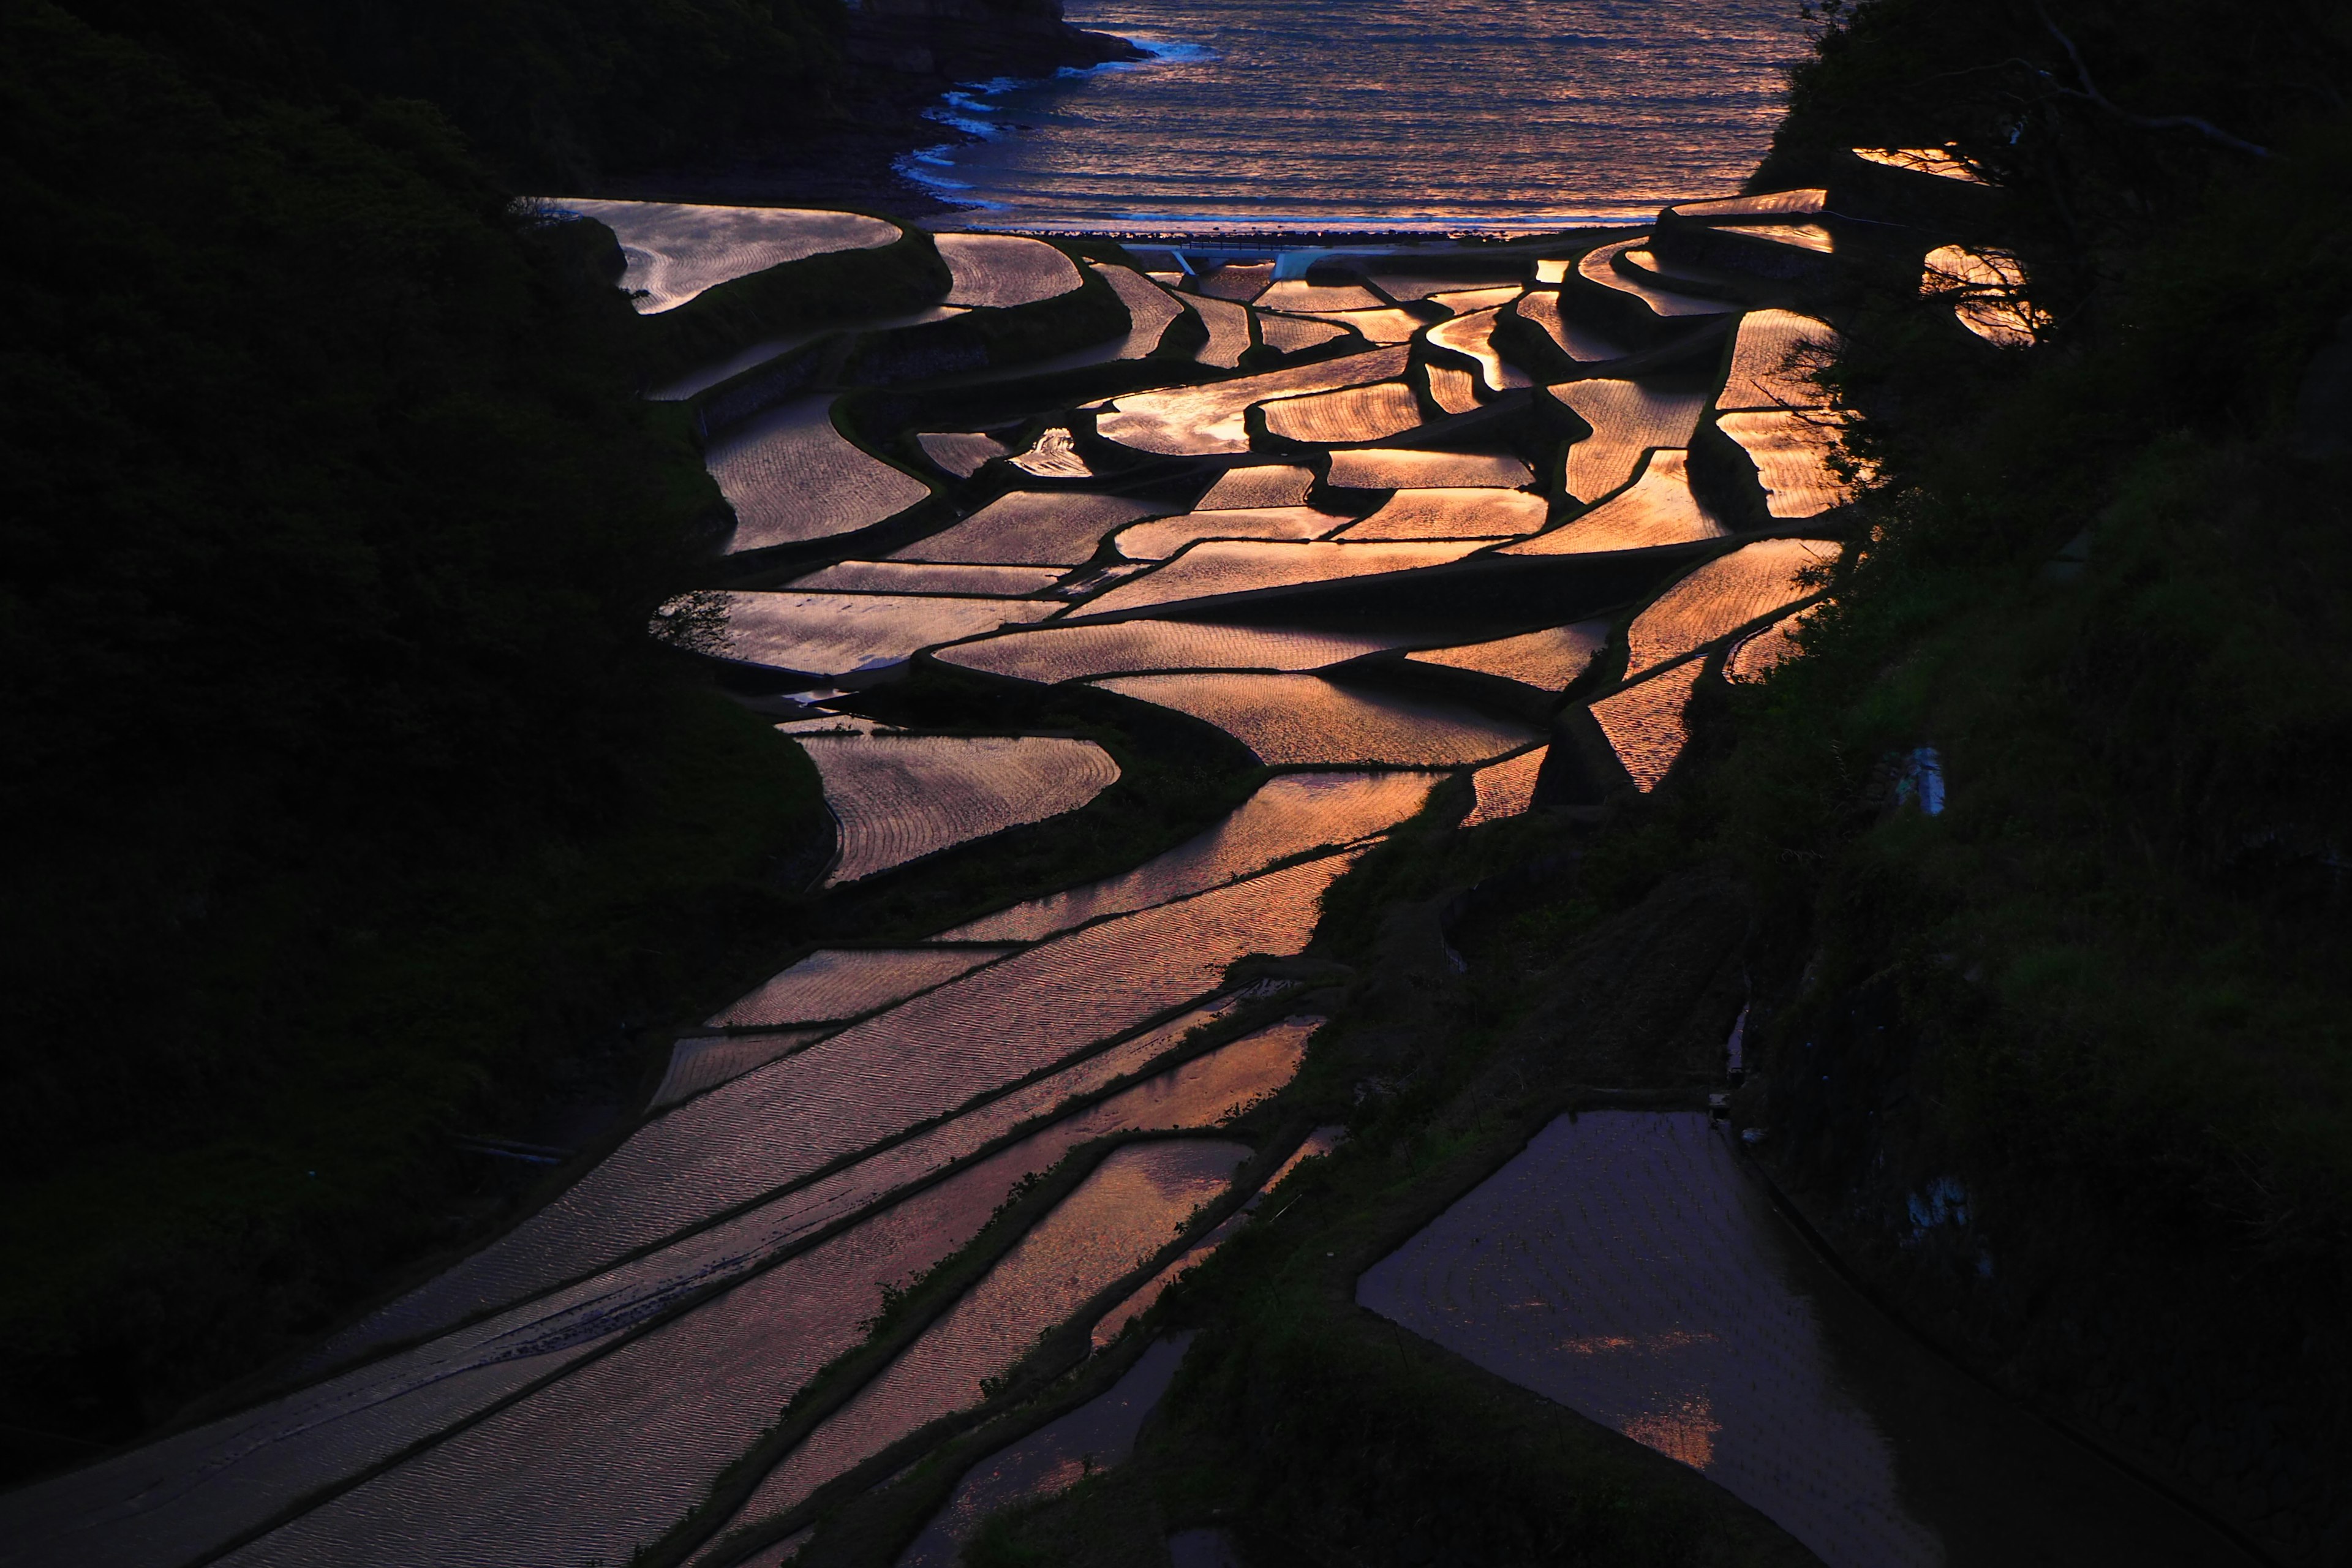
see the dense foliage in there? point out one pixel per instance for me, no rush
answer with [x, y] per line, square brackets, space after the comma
[2106, 986]
[343, 796]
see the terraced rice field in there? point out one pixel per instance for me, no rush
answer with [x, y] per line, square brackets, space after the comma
[1049, 1461]
[705, 1061]
[1723, 595]
[1400, 467]
[1548, 660]
[1656, 509]
[1256, 484]
[1645, 723]
[834, 984]
[1808, 237]
[1452, 514]
[960, 452]
[1474, 336]
[1115, 1221]
[1241, 281]
[1049, 654]
[1159, 540]
[1808, 202]
[1628, 418]
[876, 1080]
[1939, 162]
[1001, 269]
[1462, 301]
[568, 1392]
[1585, 346]
[1297, 335]
[1241, 566]
[1626, 1267]
[1504, 789]
[1150, 309]
[1989, 293]
[790, 477]
[119, 1515]
[1229, 331]
[841, 634]
[1773, 361]
[1206, 419]
[1320, 1142]
[1793, 452]
[1289, 815]
[1387, 325]
[901, 798]
[922, 577]
[1352, 415]
[1600, 266]
[1294, 719]
[1758, 654]
[650, 1425]
[1299, 297]
[673, 252]
[1454, 391]
[1043, 528]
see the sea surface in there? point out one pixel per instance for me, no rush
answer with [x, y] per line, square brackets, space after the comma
[1417, 115]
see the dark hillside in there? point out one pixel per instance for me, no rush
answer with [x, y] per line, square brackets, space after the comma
[2068, 1070]
[346, 805]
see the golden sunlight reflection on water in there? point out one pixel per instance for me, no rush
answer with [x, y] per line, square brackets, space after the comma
[1423, 114]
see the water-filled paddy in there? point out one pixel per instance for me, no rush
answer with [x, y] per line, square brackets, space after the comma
[1004, 270]
[1292, 719]
[1655, 509]
[1094, 1437]
[1504, 789]
[1226, 566]
[1451, 514]
[1548, 660]
[1623, 1267]
[1288, 815]
[1046, 528]
[841, 982]
[1628, 418]
[790, 477]
[901, 798]
[842, 633]
[1074, 653]
[1793, 452]
[1207, 419]
[672, 252]
[1723, 595]
[1645, 723]
[1159, 540]
[1117, 1219]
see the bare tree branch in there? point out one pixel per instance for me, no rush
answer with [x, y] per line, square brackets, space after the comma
[2090, 93]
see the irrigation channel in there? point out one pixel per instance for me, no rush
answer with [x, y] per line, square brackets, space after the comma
[1390, 517]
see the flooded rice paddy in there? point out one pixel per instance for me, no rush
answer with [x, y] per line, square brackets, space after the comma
[1289, 815]
[791, 477]
[1628, 1266]
[1078, 653]
[897, 798]
[1094, 1437]
[1422, 512]
[1724, 595]
[1123, 1213]
[1297, 719]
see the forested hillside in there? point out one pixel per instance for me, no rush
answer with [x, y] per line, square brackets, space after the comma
[2103, 995]
[342, 791]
